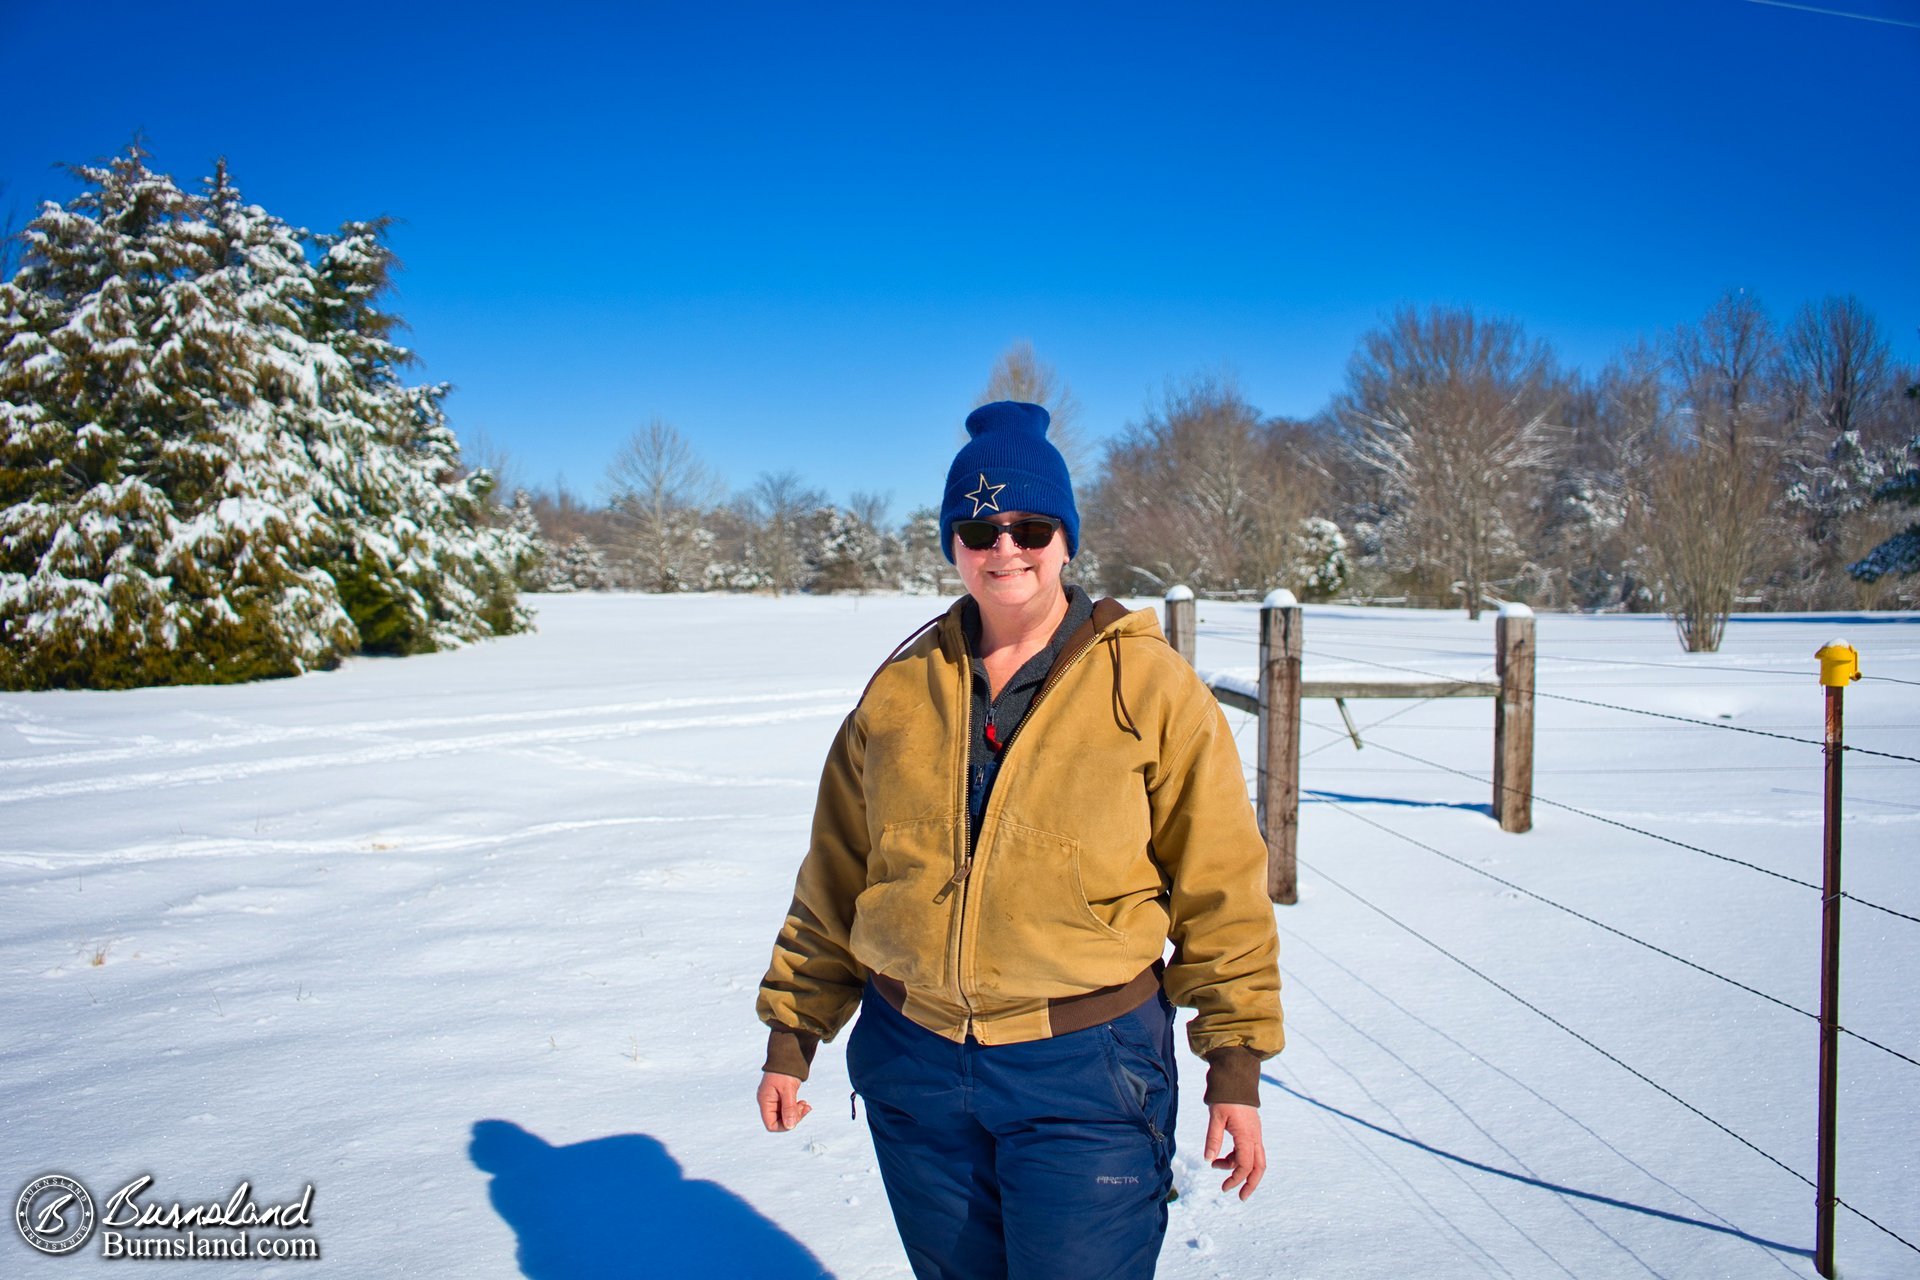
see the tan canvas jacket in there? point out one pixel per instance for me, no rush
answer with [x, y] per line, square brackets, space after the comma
[1119, 820]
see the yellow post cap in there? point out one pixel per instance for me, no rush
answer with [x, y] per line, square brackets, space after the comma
[1839, 664]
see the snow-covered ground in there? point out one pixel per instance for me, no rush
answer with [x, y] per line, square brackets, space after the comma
[469, 943]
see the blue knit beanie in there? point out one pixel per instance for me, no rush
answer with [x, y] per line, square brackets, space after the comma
[1008, 465]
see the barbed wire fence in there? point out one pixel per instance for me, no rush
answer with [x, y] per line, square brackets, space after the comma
[1340, 734]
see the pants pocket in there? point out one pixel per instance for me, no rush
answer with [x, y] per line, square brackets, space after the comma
[1142, 1068]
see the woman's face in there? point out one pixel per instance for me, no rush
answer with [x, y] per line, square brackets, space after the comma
[1010, 578]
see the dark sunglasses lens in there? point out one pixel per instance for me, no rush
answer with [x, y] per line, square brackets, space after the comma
[977, 535]
[1032, 534]
[980, 535]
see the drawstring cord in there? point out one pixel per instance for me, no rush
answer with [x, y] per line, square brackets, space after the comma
[898, 649]
[1119, 699]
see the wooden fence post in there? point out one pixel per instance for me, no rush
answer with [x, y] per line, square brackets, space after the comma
[1279, 773]
[1513, 642]
[1180, 617]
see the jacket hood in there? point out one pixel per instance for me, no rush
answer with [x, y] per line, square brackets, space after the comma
[1110, 618]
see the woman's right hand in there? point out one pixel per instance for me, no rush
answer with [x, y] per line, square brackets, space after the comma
[780, 1104]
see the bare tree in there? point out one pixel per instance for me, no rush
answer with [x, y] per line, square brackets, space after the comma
[1455, 416]
[1176, 498]
[1708, 505]
[1587, 522]
[1020, 374]
[659, 490]
[564, 515]
[780, 508]
[1844, 440]
[1725, 372]
[1204, 493]
[1711, 484]
[1837, 367]
[869, 508]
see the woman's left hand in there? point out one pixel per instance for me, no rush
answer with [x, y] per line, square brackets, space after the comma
[1248, 1157]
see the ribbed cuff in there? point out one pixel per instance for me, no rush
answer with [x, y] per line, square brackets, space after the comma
[790, 1052]
[1233, 1075]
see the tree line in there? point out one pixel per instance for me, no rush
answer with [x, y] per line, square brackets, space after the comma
[1734, 462]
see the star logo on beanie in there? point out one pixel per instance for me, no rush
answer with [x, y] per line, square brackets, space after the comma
[986, 497]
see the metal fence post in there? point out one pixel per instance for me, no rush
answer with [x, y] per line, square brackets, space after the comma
[1839, 666]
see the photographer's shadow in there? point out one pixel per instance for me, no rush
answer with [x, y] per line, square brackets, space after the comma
[619, 1206]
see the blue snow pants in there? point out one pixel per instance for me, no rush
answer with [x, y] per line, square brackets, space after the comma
[1048, 1160]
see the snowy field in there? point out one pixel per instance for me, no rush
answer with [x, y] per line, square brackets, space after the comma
[469, 942]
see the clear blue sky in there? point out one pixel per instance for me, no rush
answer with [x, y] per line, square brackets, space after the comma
[803, 232]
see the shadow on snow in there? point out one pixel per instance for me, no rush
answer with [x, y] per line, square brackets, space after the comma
[1310, 794]
[1593, 1197]
[1889, 619]
[619, 1206]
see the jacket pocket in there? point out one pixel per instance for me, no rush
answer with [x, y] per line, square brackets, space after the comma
[1037, 935]
[898, 928]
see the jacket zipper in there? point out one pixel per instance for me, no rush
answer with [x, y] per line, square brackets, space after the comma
[965, 869]
[965, 853]
[961, 873]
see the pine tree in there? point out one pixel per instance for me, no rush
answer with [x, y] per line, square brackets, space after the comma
[579, 566]
[1900, 554]
[150, 522]
[261, 553]
[529, 572]
[210, 468]
[418, 568]
[1319, 566]
[848, 551]
[923, 567]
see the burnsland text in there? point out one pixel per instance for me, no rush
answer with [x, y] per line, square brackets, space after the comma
[123, 1209]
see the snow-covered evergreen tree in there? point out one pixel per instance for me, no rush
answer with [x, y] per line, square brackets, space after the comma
[1841, 483]
[578, 566]
[529, 572]
[1319, 567]
[738, 575]
[418, 568]
[846, 552]
[923, 569]
[1900, 554]
[154, 526]
[209, 467]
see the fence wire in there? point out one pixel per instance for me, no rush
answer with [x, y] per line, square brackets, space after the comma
[1521, 1000]
[1612, 706]
[1611, 662]
[1561, 906]
[1613, 1058]
[1341, 732]
[1585, 813]
[1601, 924]
[1651, 835]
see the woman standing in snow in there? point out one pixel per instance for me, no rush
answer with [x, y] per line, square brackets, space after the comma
[1031, 798]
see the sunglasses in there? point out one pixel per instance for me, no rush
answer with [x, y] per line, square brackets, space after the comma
[1030, 534]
